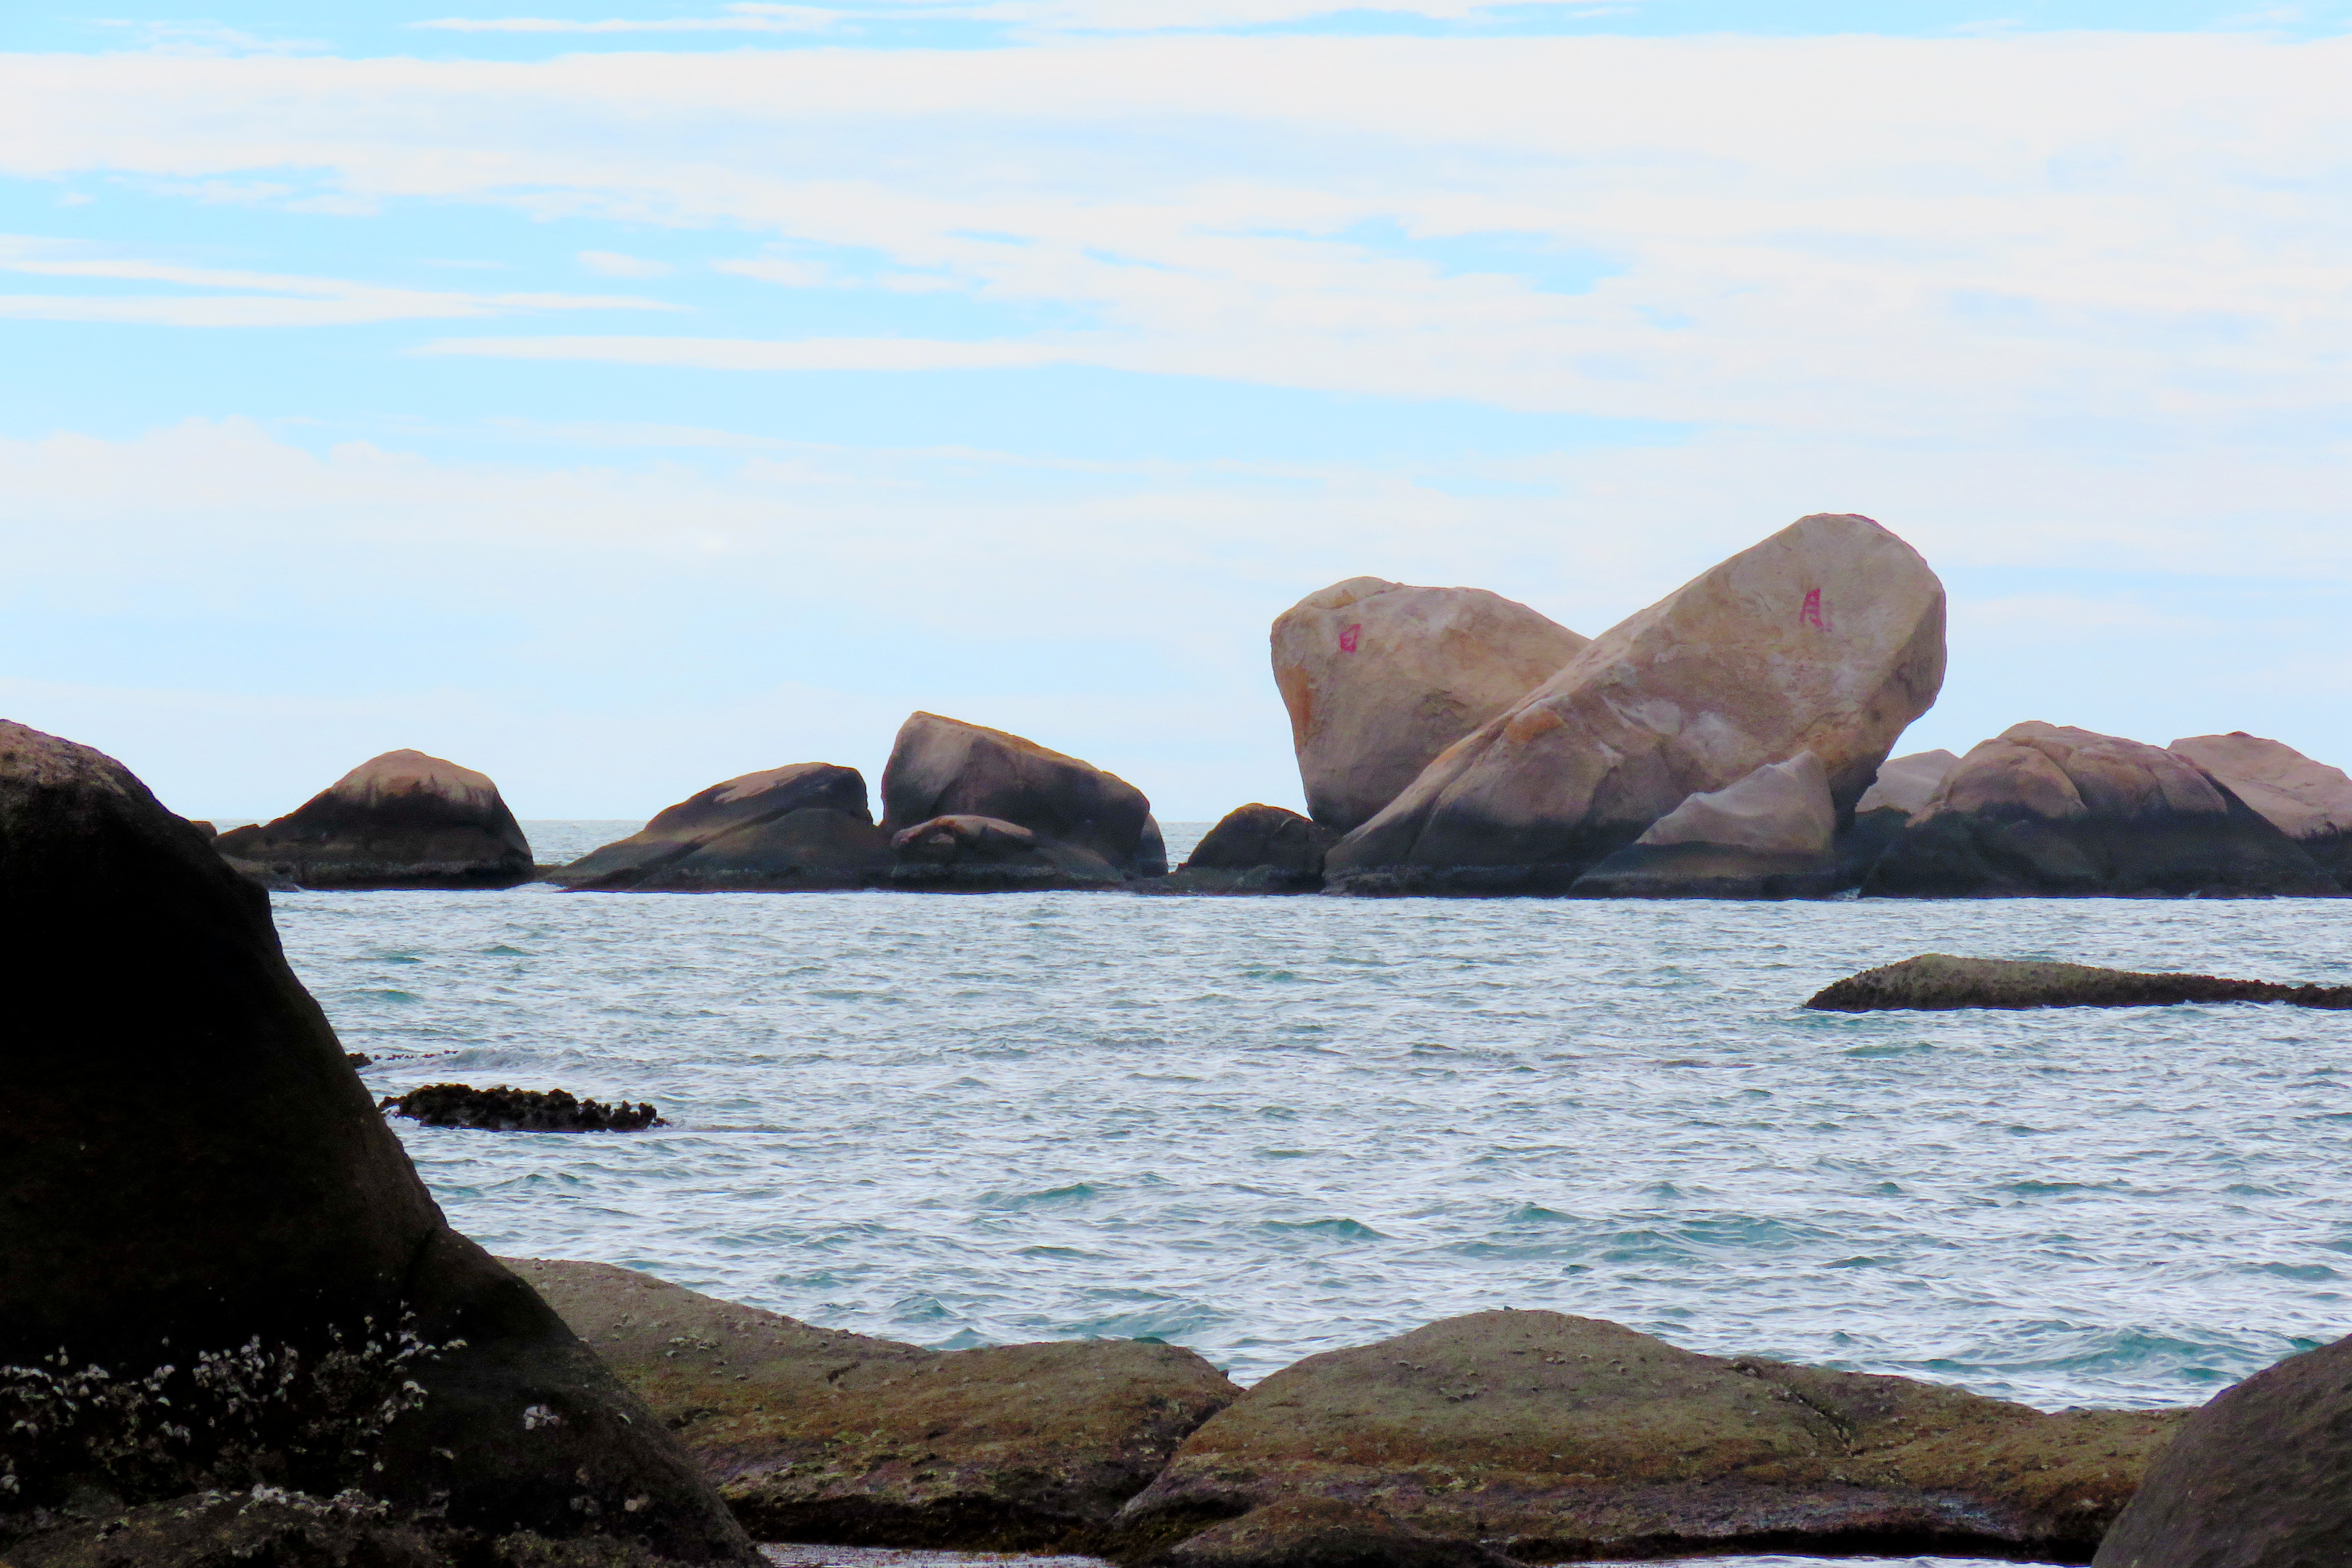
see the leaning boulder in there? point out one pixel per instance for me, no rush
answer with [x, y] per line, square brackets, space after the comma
[198, 1197]
[1907, 783]
[400, 820]
[1826, 638]
[1255, 848]
[822, 1436]
[1769, 835]
[945, 768]
[2260, 1477]
[2047, 810]
[1555, 1438]
[1381, 677]
[1936, 982]
[2309, 802]
[804, 827]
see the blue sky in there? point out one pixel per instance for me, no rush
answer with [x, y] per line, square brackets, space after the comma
[617, 398]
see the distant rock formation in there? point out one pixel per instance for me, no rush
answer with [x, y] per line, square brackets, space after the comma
[1768, 836]
[2259, 1477]
[505, 1109]
[2309, 802]
[944, 768]
[191, 1166]
[818, 1434]
[2045, 810]
[400, 820]
[1381, 677]
[1936, 982]
[1558, 1439]
[1255, 848]
[1827, 638]
[803, 827]
[989, 854]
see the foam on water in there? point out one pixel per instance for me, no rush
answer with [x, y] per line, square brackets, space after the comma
[1267, 1127]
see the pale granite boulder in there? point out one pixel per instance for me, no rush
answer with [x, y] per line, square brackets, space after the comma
[2309, 802]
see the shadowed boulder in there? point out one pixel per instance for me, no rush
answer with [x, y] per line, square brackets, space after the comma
[817, 1435]
[2047, 810]
[1381, 677]
[1555, 1438]
[1255, 848]
[1826, 638]
[2309, 802]
[400, 820]
[987, 854]
[946, 768]
[805, 828]
[1936, 981]
[192, 1159]
[1769, 835]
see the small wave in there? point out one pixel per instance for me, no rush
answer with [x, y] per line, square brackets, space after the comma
[1335, 1230]
[1052, 1197]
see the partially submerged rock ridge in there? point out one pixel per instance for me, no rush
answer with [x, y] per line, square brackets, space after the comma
[505, 1109]
[400, 820]
[1936, 981]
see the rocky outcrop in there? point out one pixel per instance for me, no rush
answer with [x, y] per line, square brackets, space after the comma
[2309, 802]
[1381, 677]
[2260, 1477]
[800, 828]
[1907, 783]
[1551, 1437]
[817, 1435]
[1936, 982]
[1319, 1532]
[400, 820]
[190, 1158]
[1769, 835]
[944, 769]
[1827, 638]
[504, 1110]
[2045, 810]
[1255, 848]
[987, 855]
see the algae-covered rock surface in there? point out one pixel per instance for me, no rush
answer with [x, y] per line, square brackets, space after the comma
[1937, 981]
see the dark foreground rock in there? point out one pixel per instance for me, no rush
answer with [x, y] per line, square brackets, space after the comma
[816, 1434]
[946, 768]
[801, 828]
[989, 854]
[190, 1159]
[504, 1110]
[2260, 1477]
[1554, 1438]
[400, 820]
[1254, 848]
[1936, 982]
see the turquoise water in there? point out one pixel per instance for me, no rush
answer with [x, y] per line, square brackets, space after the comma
[1268, 1127]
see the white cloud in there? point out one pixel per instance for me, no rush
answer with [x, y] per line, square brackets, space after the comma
[613, 264]
[736, 19]
[741, 353]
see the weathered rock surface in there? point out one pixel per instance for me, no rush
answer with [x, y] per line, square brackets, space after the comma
[817, 1435]
[804, 827]
[946, 768]
[1768, 836]
[1827, 638]
[1255, 848]
[400, 820]
[1319, 1532]
[1936, 982]
[989, 854]
[505, 1109]
[1381, 677]
[191, 1158]
[2045, 810]
[2309, 802]
[1907, 784]
[1551, 1437]
[2259, 1477]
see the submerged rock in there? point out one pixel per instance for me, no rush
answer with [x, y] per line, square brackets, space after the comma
[1555, 1438]
[822, 1435]
[2047, 810]
[191, 1159]
[1255, 848]
[504, 1110]
[1936, 982]
[803, 827]
[400, 820]
[945, 768]
[987, 855]
[2309, 802]
[1769, 835]
[2259, 1477]
[1381, 677]
[1827, 638]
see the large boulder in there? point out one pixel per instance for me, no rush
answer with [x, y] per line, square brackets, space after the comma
[198, 1196]
[400, 820]
[2260, 1477]
[946, 768]
[803, 827]
[1556, 1438]
[1826, 638]
[1381, 677]
[818, 1434]
[1255, 848]
[2309, 802]
[1769, 835]
[1937, 981]
[2048, 810]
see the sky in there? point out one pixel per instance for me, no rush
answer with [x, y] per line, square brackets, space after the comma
[620, 395]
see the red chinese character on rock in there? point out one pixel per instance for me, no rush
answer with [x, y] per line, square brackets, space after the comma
[1348, 638]
[1811, 616]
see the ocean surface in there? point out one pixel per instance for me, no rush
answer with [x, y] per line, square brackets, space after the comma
[1268, 1127]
